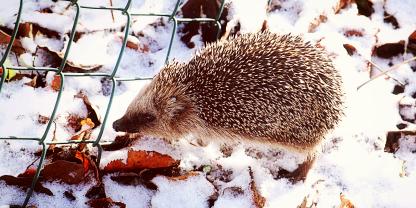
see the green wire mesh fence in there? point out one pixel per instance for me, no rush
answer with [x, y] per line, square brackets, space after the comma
[111, 76]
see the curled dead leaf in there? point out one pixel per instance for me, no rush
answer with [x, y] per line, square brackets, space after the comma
[92, 110]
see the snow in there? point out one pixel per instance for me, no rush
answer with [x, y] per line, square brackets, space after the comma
[351, 160]
[192, 192]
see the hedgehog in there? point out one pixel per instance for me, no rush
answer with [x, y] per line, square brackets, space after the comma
[257, 87]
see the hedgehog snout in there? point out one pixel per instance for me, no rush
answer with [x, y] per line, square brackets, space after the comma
[124, 125]
[118, 125]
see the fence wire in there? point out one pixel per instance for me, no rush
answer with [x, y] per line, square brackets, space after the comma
[173, 19]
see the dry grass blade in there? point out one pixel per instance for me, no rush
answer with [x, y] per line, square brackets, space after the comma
[387, 71]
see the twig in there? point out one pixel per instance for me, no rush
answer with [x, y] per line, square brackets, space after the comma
[381, 70]
[387, 71]
[112, 12]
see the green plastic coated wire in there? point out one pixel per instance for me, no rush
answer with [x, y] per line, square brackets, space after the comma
[60, 71]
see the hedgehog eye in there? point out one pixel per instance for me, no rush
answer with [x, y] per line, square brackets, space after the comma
[145, 118]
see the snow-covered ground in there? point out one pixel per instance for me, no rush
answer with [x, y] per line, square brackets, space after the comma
[352, 159]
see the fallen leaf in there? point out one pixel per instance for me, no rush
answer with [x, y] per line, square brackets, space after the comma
[54, 59]
[65, 171]
[345, 203]
[56, 83]
[299, 174]
[17, 45]
[96, 192]
[84, 160]
[37, 80]
[304, 202]
[365, 7]
[208, 9]
[342, 4]
[392, 140]
[134, 44]
[183, 177]
[70, 195]
[389, 50]
[353, 32]
[351, 50]
[133, 179]
[105, 203]
[92, 110]
[29, 172]
[121, 142]
[43, 119]
[258, 199]
[388, 18]
[25, 183]
[141, 159]
[411, 45]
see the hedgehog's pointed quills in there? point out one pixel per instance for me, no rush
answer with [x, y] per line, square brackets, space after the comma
[257, 87]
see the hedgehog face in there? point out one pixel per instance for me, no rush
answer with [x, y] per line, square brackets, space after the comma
[153, 113]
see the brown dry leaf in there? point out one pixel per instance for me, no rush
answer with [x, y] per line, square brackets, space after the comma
[25, 183]
[259, 200]
[351, 50]
[365, 7]
[30, 29]
[341, 5]
[184, 177]
[389, 18]
[345, 203]
[389, 50]
[353, 32]
[37, 80]
[43, 119]
[65, 171]
[121, 142]
[54, 59]
[74, 122]
[134, 179]
[83, 158]
[17, 45]
[411, 45]
[134, 44]
[392, 141]
[29, 172]
[141, 159]
[56, 83]
[208, 9]
[105, 203]
[96, 192]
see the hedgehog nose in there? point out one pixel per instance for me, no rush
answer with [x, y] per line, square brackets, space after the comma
[117, 125]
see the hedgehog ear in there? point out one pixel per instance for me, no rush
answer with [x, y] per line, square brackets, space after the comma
[174, 107]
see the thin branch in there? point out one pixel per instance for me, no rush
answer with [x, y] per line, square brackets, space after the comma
[387, 71]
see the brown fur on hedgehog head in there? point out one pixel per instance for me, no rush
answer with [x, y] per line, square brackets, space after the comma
[159, 111]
